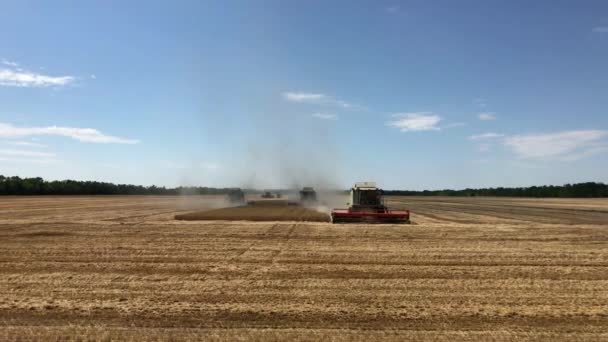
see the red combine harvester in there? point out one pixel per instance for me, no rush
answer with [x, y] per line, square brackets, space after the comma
[367, 205]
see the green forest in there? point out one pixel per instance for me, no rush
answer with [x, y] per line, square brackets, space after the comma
[37, 186]
[588, 189]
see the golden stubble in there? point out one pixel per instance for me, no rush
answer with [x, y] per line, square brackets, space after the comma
[120, 267]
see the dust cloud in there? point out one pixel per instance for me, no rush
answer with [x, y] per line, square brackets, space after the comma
[290, 151]
[281, 149]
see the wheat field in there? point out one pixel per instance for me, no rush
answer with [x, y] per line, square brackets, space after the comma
[121, 268]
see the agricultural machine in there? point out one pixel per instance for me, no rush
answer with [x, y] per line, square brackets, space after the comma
[308, 195]
[367, 205]
[267, 194]
[236, 196]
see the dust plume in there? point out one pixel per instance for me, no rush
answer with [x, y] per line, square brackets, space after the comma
[271, 148]
[291, 151]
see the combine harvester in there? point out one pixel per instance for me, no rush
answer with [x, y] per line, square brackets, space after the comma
[308, 195]
[367, 205]
[236, 196]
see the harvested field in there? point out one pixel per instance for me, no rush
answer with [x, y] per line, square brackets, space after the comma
[505, 210]
[266, 212]
[472, 269]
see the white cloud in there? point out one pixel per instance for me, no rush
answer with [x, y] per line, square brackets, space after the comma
[317, 98]
[586, 153]
[209, 166]
[14, 76]
[304, 97]
[600, 29]
[93, 76]
[81, 134]
[25, 143]
[484, 136]
[325, 116]
[37, 160]
[24, 153]
[173, 165]
[481, 161]
[9, 63]
[454, 124]
[347, 105]
[486, 116]
[112, 165]
[483, 147]
[392, 9]
[480, 102]
[411, 122]
[564, 146]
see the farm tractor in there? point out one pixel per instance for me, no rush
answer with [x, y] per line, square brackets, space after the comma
[367, 205]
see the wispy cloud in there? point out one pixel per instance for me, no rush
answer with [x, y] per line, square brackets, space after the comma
[26, 156]
[89, 135]
[483, 147]
[454, 125]
[13, 76]
[486, 116]
[304, 97]
[317, 98]
[418, 121]
[26, 144]
[325, 116]
[169, 164]
[485, 136]
[480, 102]
[392, 9]
[210, 166]
[36, 160]
[564, 146]
[25, 153]
[9, 63]
[600, 29]
[112, 165]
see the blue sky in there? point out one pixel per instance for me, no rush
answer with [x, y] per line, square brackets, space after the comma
[411, 94]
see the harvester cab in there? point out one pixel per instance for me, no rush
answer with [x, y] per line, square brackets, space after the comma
[236, 196]
[367, 205]
[267, 194]
[366, 197]
[308, 195]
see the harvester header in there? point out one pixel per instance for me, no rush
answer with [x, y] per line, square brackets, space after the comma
[367, 205]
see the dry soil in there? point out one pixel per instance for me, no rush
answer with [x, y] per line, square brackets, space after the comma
[104, 268]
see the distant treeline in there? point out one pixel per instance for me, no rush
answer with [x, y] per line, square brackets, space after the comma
[38, 186]
[589, 189]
